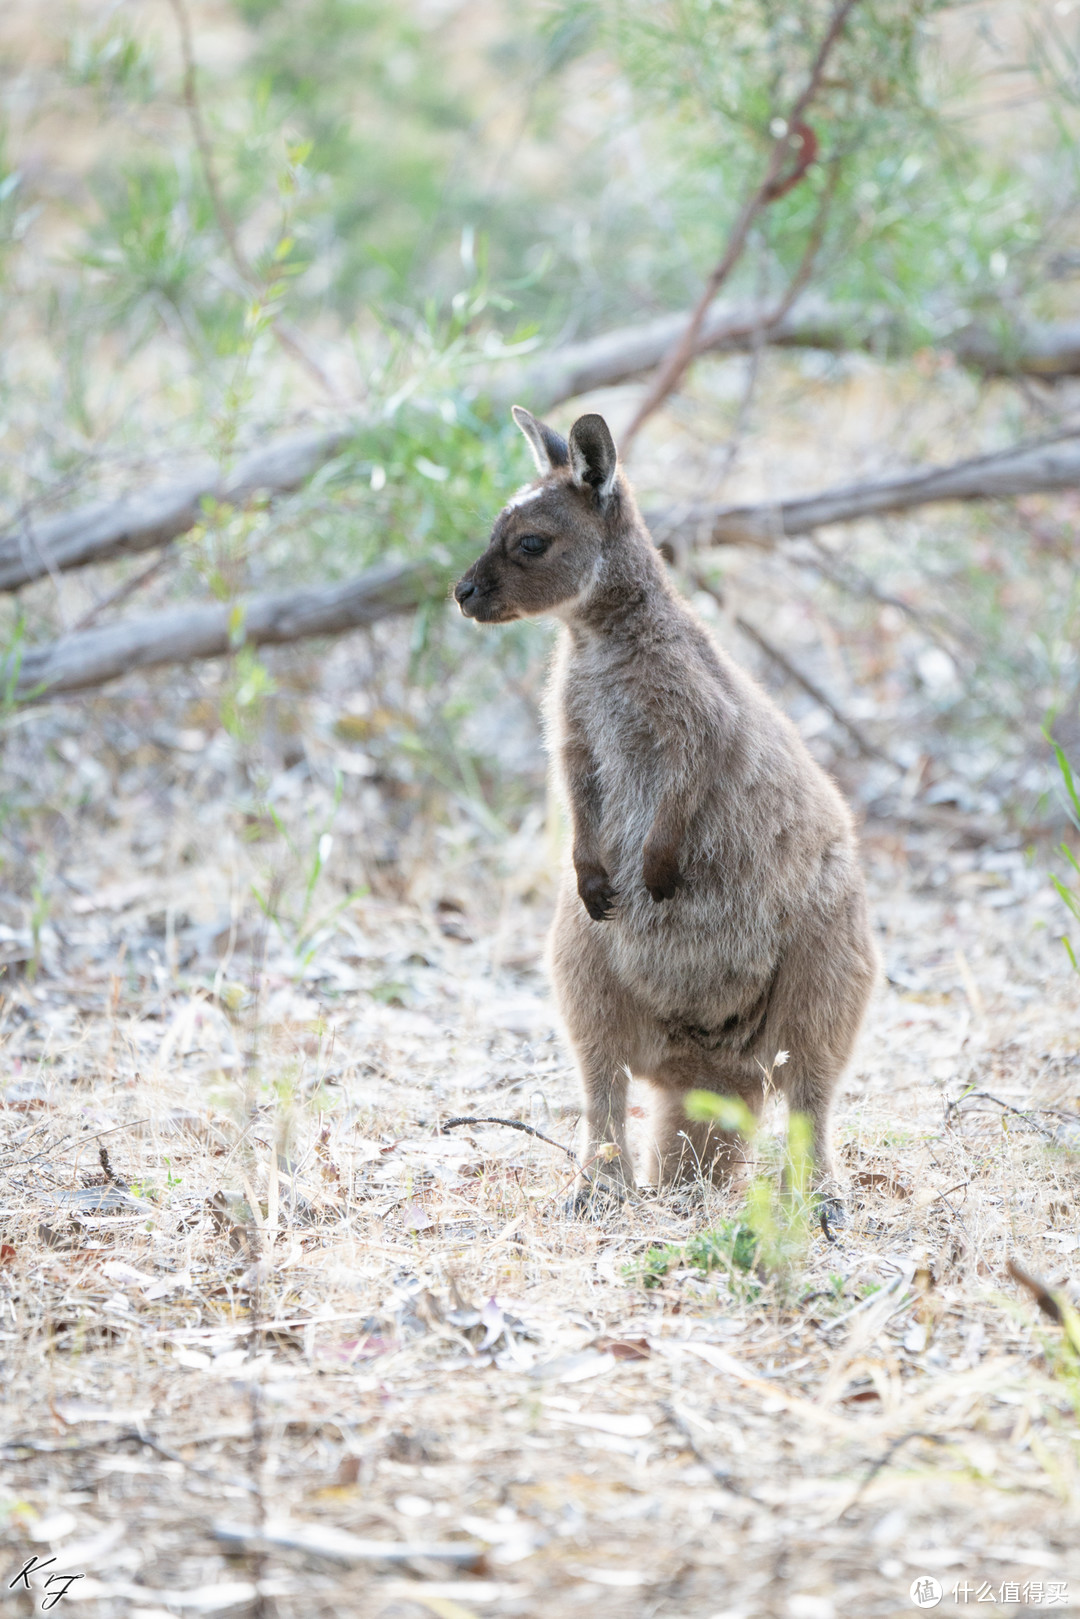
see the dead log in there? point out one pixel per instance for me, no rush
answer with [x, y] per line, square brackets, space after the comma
[1028, 469]
[34, 547]
[187, 634]
[1049, 350]
[90, 658]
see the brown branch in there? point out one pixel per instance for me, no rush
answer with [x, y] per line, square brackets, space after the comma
[286, 334]
[142, 522]
[1054, 1305]
[676, 362]
[808, 151]
[188, 634]
[511, 1124]
[1039, 467]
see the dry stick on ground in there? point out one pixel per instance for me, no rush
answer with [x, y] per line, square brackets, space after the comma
[286, 334]
[883, 1461]
[187, 634]
[511, 1124]
[771, 186]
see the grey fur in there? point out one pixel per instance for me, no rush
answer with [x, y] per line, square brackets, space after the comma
[713, 911]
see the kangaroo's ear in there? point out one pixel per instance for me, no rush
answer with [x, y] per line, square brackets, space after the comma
[594, 460]
[548, 447]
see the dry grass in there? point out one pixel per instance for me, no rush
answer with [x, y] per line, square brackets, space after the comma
[306, 1307]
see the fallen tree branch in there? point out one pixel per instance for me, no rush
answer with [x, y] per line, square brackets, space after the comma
[111, 528]
[33, 547]
[89, 658]
[1049, 350]
[187, 634]
[1028, 469]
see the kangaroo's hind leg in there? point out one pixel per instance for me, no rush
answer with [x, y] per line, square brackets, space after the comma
[685, 1150]
[816, 1008]
[602, 1023]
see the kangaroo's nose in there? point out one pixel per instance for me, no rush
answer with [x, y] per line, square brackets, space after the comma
[464, 590]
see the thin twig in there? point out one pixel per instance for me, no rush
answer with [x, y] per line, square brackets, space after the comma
[772, 185]
[886, 1458]
[287, 336]
[782, 661]
[680, 1422]
[855, 731]
[511, 1124]
[121, 594]
[765, 324]
[49, 1152]
[1027, 1114]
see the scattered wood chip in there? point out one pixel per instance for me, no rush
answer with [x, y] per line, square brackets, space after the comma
[882, 1180]
[624, 1348]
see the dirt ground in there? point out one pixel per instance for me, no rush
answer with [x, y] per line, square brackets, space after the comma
[286, 1349]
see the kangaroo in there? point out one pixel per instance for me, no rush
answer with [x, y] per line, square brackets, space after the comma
[713, 912]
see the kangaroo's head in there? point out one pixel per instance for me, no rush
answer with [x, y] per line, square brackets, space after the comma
[547, 547]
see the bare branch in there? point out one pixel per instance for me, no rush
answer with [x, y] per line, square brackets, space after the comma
[111, 528]
[772, 185]
[793, 672]
[1046, 465]
[187, 634]
[287, 335]
[1048, 351]
[93, 657]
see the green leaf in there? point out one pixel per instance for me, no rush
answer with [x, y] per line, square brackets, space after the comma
[727, 1112]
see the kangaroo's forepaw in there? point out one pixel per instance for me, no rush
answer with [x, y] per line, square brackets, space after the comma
[662, 875]
[596, 892]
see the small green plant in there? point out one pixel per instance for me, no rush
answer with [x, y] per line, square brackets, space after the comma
[40, 906]
[770, 1235]
[729, 1248]
[1068, 893]
[299, 925]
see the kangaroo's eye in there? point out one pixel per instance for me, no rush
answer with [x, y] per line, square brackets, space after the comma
[533, 545]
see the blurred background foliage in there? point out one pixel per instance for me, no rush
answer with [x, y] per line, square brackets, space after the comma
[372, 207]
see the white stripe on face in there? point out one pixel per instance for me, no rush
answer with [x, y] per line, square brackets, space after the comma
[523, 496]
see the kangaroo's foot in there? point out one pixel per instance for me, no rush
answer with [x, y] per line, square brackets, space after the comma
[600, 1189]
[831, 1212]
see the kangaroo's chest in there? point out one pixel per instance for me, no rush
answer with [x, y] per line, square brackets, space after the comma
[621, 738]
